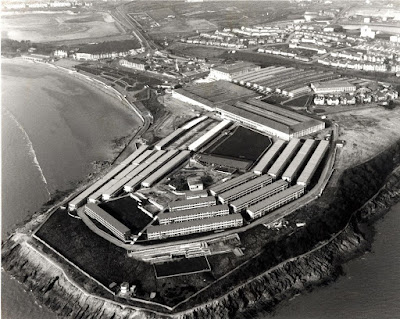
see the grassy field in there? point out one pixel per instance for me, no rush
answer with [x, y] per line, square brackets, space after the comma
[219, 14]
[197, 51]
[109, 263]
[126, 211]
[242, 144]
[101, 259]
[57, 27]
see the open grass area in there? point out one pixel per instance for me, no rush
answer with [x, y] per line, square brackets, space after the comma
[242, 144]
[108, 263]
[95, 255]
[218, 14]
[182, 267]
[197, 51]
[127, 212]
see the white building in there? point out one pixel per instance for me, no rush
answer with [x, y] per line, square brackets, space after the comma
[333, 87]
[195, 184]
[60, 54]
[366, 32]
[228, 71]
[133, 64]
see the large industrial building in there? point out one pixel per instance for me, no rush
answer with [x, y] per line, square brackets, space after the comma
[192, 203]
[193, 214]
[104, 218]
[234, 182]
[165, 169]
[284, 158]
[287, 81]
[206, 95]
[81, 199]
[258, 195]
[227, 99]
[298, 161]
[268, 158]
[275, 201]
[194, 226]
[270, 119]
[229, 71]
[333, 87]
[196, 145]
[178, 132]
[312, 165]
[244, 189]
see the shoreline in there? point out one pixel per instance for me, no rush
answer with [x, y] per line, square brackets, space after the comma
[289, 277]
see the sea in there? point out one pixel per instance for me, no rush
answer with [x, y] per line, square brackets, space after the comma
[54, 126]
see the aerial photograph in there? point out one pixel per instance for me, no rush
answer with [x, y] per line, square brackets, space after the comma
[200, 159]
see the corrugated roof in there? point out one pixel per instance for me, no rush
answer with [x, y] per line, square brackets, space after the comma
[274, 198]
[256, 181]
[234, 67]
[279, 110]
[259, 192]
[268, 114]
[166, 168]
[260, 120]
[269, 156]
[313, 163]
[332, 84]
[285, 157]
[298, 160]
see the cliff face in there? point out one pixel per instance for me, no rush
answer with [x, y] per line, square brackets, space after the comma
[53, 289]
[322, 264]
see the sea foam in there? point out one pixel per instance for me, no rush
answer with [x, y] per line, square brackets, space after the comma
[32, 152]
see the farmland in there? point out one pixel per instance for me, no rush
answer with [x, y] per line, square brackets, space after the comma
[173, 18]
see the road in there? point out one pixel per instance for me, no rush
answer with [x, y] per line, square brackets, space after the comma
[120, 15]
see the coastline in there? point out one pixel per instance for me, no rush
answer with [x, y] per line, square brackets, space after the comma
[117, 149]
[317, 267]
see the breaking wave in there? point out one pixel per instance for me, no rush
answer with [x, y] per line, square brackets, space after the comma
[32, 152]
